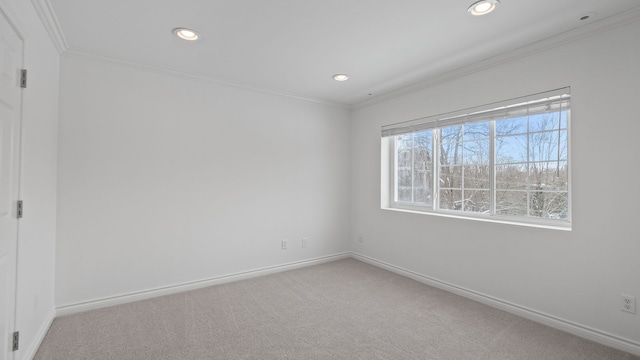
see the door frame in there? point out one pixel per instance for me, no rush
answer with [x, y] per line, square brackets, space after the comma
[13, 21]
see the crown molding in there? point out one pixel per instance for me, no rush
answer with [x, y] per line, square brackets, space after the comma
[89, 55]
[570, 36]
[51, 24]
[50, 21]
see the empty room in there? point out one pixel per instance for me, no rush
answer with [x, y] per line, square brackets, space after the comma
[319, 179]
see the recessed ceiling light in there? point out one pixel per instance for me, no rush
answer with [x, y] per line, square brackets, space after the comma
[340, 77]
[186, 34]
[482, 7]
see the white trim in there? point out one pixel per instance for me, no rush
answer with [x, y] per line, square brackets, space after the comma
[586, 31]
[39, 336]
[85, 54]
[497, 219]
[50, 21]
[583, 331]
[528, 313]
[16, 21]
[192, 285]
[514, 107]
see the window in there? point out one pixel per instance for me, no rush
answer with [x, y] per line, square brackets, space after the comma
[414, 167]
[506, 162]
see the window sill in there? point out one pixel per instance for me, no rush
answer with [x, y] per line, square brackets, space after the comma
[552, 225]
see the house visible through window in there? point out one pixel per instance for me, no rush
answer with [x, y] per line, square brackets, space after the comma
[508, 162]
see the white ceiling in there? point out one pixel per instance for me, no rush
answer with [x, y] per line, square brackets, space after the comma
[295, 46]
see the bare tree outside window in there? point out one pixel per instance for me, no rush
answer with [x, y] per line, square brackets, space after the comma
[531, 166]
[464, 168]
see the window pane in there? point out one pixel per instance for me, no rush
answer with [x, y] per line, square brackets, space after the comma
[513, 176]
[477, 201]
[476, 152]
[549, 205]
[404, 185]
[473, 149]
[422, 167]
[404, 145]
[414, 163]
[451, 177]
[404, 194]
[422, 141]
[451, 134]
[422, 151]
[476, 177]
[544, 122]
[513, 126]
[550, 175]
[450, 199]
[548, 145]
[476, 131]
[404, 158]
[511, 203]
[451, 153]
[511, 149]
[422, 187]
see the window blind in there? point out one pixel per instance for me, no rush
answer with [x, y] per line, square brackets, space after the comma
[540, 103]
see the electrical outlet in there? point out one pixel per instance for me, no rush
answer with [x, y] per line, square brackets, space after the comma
[284, 244]
[628, 303]
[304, 242]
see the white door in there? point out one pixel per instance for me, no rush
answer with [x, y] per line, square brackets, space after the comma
[10, 100]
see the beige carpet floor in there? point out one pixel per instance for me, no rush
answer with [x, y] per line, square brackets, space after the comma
[340, 310]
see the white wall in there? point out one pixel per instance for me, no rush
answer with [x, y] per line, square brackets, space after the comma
[576, 276]
[35, 297]
[165, 180]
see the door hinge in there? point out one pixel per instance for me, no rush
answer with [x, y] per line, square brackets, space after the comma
[20, 209]
[23, 78]
[16, 341]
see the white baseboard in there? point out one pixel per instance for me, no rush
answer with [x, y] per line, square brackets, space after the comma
[531, 314]
[151, 293]
[29, 353]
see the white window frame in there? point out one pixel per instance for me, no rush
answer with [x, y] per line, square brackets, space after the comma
[389, 166]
